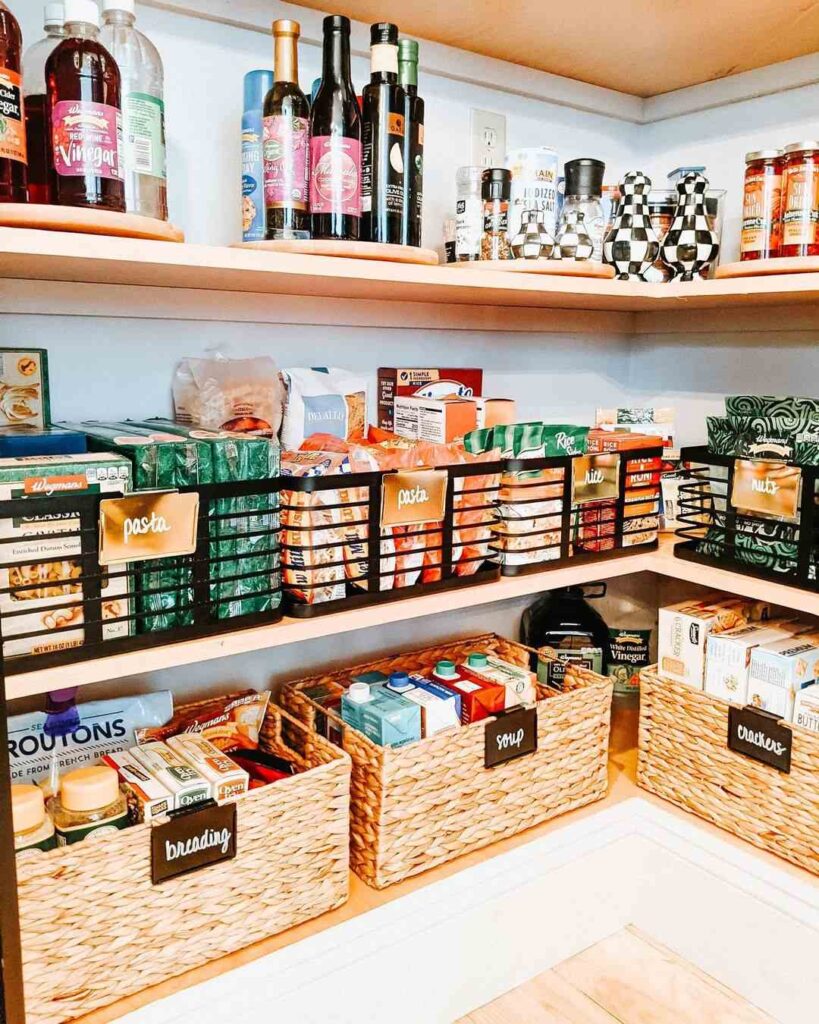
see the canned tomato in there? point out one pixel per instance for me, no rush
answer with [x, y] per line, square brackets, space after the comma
[761, 235]
[800, 209]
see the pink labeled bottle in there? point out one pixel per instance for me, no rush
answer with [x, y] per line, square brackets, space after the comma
[84, 102]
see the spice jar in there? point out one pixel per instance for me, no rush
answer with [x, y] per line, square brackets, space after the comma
[583, 195]
[800, 207]
[496, 190]
[89, 801]
[469, 211]
[760, 238]
[33, 829]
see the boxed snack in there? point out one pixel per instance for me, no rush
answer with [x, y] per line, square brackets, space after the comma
[728, 659]
[24, 396]
[226, 777]
[683, 630]
[424, 383]
[187, 784]
[232, 722]
[439, 420]
[21, 440]
[323, 400]
[44, 568]
[649, 421]
[806, 708]
[147, 797]
[778, 671]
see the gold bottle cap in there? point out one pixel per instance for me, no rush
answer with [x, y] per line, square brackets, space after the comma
[286, 27]
[88, 789]
[27, 807]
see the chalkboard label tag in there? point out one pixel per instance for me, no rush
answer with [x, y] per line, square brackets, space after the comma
[760, 735]
[511, 735]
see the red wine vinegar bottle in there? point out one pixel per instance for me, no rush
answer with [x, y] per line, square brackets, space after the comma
[383, 129]
[335, 142]
[13, 172]
[38, 125]
[84, 104]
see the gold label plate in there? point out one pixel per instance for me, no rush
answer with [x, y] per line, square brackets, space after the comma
[595, 478]
[413, 497]
[152, 524]
[767, 489]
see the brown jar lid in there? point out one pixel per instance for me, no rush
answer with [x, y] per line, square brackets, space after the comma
[27, 807]
[763, 154]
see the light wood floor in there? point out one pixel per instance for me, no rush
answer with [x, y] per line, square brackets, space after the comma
[625, 979]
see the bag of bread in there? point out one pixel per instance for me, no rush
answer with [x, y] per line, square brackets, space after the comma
[323, 400]
[218, 393]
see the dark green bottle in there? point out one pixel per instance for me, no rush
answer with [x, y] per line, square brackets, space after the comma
[413, 143]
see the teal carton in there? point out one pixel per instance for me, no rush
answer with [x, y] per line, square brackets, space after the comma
[390, 720]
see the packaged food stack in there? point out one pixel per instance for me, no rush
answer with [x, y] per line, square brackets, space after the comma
[765, 427]
[733, 650]
[78, 768]
[326, 529]
[405, 706]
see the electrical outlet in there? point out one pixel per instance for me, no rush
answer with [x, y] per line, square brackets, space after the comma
[488, 138]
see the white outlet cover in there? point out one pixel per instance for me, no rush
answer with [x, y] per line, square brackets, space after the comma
[488, 133]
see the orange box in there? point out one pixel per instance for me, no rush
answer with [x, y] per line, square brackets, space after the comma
[439, 420]
[494, 412]
[480, 698]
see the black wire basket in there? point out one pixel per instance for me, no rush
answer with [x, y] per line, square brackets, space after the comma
[60, 604]
[564, 510]
[757, 517]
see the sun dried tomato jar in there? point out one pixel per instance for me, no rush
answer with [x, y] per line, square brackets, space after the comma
[761, 235]
[800, 207]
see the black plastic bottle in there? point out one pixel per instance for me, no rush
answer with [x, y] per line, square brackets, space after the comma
[413, 142]
[335, 141]
[383, 131]
[565, 622]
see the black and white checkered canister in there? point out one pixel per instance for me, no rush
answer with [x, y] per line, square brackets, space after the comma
[690, 244]
[631, 245]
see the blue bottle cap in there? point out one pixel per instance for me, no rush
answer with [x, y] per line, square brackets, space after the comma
[399, 681]
[257, 85]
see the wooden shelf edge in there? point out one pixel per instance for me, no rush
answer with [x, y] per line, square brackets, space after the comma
[292, 631]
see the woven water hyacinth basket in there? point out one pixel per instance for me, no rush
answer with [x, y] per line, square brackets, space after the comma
[426, 803]
[684, 757]
[94, 929]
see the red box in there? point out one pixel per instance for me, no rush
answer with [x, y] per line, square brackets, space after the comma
[427, 383]
[480, 698]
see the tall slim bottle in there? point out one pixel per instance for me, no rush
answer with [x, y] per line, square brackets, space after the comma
[383, 132]
[83, 90]
[143, 110]
[413, 143]
[13, 176]
[335, 143]
[38, 125]
[286, 149]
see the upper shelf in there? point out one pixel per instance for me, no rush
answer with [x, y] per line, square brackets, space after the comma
[60, 256]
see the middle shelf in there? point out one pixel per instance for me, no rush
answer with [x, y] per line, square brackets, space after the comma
[290, 631]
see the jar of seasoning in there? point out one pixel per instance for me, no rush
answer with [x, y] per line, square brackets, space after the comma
[89, 801]
[496, 190]
[661, 206]
[583, 194]
[469, 214]
[33, 829]
[800, 207]
[760, 238]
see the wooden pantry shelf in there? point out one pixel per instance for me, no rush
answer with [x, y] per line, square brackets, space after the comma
[292, 631]
[48, 257]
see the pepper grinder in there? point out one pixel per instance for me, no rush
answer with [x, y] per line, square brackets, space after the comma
[583, 194]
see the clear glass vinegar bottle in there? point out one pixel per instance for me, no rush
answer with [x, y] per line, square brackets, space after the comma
[143, 110]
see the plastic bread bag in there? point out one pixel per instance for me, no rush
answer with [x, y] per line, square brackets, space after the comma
[220, 393]
[231, 722]
[323, 400]
[45, 744]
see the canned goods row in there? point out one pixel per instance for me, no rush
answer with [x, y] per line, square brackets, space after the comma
[780, 210]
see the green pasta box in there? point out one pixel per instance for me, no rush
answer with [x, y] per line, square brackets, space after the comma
[37, 553]
[245, 567]
[24, 394]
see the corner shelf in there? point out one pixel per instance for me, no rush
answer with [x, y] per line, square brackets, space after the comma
[291, 631]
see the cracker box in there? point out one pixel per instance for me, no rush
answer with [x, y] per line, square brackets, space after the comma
[806, 708]
[226, 777]
[37, 554]
[24, 398]
[779, 670]
[147, 797]
[728, 659]
[425, 383]
[684, 628]
[186, 783]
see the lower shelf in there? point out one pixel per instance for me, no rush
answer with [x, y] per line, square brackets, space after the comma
[291, 631]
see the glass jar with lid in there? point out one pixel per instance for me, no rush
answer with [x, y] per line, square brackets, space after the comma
[496, 191]
[89, 801]
[469, 214]
[800, 206]
[583, 192]
[33, 828]
[760, 237]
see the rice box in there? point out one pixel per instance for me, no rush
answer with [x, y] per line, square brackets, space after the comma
[41, 570]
